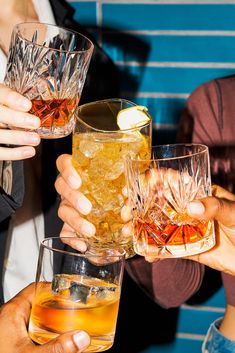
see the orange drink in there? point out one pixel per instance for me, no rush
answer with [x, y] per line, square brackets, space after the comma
[55, 313]
[76, 291]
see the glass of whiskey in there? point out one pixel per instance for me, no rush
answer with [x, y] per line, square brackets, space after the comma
[76, 291]
[159, 190]
[48, 65]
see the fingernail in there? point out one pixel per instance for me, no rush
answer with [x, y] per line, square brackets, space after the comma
[83, 205]
[125, 191]
[126, 213]
[74, 181]
[87, 228]
[127, 230]
[21, 101]
[32, 121]
[30, 152]
[24, 103]
[196, 208]
[82, 340]
[32, 138]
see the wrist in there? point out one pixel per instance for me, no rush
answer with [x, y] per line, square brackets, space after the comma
[216, 342]
[227, 326]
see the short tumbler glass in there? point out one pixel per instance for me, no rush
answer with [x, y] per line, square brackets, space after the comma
[48, 65]
[159, 191]
[76, 291]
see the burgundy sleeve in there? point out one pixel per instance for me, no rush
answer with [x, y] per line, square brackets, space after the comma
[229, 287]
[199, 122]
[168, 282]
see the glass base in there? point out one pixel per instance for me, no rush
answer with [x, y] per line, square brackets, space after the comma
[168, 251]
[42, 336]
[54, 131]
[95, 245]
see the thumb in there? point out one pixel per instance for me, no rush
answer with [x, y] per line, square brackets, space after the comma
[70, 342]
[219, 209]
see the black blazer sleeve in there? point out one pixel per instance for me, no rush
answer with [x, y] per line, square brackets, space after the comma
[9, 203]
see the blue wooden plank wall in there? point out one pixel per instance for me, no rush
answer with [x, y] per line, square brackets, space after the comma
[164, 49]
[167, 47]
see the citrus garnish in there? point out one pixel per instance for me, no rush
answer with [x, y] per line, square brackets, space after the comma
[133, 117]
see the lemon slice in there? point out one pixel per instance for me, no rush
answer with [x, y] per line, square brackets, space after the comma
[132, 117]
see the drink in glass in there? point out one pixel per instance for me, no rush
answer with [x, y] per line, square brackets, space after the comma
[76, 291]
[48, 65]
[159, 191]
[99, 149]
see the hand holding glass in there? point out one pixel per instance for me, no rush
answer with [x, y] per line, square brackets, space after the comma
[159, 191]
[76, 291]
[48, 65]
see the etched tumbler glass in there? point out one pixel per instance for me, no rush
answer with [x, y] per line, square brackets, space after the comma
[48, 64]
[159, 191]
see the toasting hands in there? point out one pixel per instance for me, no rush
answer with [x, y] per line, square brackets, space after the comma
[220, 207]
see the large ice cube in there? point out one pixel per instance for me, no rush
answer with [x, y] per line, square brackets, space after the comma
[90, 148]
[63, 285]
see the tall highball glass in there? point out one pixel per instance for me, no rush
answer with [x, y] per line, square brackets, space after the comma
[99, 150]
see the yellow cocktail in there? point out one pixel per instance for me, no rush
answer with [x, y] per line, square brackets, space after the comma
[99, 151]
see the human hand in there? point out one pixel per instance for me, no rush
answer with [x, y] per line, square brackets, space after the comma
[14, 317]
[14, 114]
[74, 204]
[221, 208]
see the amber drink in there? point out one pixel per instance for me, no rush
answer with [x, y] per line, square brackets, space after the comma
[85, 299]
[100, 147]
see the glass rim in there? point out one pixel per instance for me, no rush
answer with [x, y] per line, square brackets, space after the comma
[110, 131]
[205, 149]
[86, 254]
[16, 29]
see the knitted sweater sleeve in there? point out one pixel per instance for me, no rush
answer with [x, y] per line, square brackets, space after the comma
[168, 282]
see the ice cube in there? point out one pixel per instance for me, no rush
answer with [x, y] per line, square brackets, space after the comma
[90, 148]
[79, 292]
[115, 171]
[103, 292]
[63, 285]
[60, 283]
